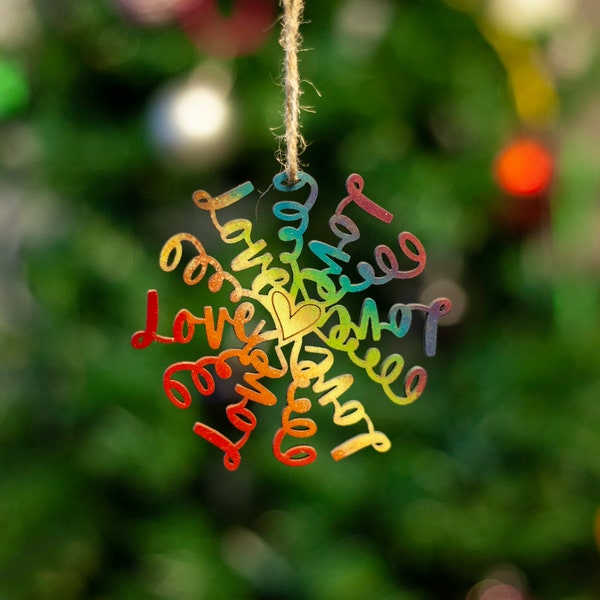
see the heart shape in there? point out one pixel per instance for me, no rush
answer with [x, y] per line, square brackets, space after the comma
[296, 321]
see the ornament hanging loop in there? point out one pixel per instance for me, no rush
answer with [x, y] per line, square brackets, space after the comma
[290, 41]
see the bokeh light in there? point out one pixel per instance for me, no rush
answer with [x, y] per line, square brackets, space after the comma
[494, 589]
[200, 112]
[503, 582]
[501, 591]
[149, 12]
[447, 288]
[14, 89]
[524, 168]
[192, 121]
[527, 17]
[241, 32]
[361, 24]
[19, 24]
[571, 51]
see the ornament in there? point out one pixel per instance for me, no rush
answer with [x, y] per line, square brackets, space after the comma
[292, 303]
[299, 301]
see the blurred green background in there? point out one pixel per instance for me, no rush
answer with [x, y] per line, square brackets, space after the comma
[492, 485]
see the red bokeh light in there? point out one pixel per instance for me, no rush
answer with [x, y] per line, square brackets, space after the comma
[524, 168]
[241, 32]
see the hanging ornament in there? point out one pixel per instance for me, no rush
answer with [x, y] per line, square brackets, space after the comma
[293, 303]
[242, 32]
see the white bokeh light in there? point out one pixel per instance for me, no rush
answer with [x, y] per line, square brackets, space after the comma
[361, 24]
[527, 17]
[192, 121]
[199, 112]
[19, 24]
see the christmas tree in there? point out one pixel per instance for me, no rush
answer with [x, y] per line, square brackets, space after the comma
[113, 113]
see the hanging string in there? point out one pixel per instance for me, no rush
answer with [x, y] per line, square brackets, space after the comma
[290, 41]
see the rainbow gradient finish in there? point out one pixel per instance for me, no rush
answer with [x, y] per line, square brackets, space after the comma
[299, 301]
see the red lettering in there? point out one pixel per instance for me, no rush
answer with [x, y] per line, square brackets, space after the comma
[142, 339]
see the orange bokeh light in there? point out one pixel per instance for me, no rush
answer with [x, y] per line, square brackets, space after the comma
[524, 168]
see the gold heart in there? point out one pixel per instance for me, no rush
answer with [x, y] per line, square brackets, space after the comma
[294, 322]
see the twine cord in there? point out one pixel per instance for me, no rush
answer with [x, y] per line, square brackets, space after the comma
[290, 41]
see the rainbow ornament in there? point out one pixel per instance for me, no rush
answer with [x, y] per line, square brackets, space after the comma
[306, 323]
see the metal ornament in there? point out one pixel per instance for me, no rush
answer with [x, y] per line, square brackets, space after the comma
[305, 322]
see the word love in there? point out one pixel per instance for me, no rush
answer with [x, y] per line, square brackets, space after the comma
[298, 300]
